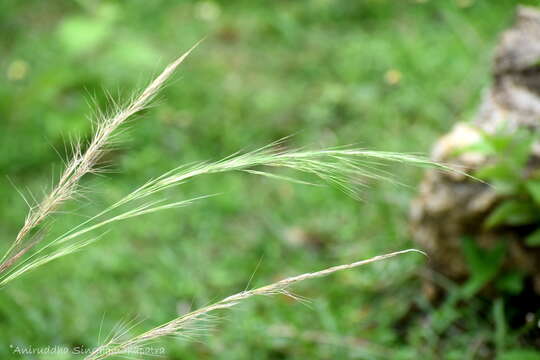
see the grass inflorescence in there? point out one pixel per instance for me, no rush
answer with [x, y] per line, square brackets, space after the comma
[346, 168]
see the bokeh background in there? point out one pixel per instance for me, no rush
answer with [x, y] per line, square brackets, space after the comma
[381, 74]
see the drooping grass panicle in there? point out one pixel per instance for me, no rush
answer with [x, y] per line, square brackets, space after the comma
[176, 327]
[82, 163]
[338, 166]
[345, 168]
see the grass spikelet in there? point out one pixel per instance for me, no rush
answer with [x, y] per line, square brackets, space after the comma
[184, 324]
[343, 168]
[82, 163]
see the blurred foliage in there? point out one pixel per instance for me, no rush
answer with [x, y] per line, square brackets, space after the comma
[388, 75]
[509, 174]
[510, 170]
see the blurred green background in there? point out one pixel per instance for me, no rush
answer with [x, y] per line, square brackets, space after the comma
[381, 74]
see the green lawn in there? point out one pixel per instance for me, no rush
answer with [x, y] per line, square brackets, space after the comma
[380, 74]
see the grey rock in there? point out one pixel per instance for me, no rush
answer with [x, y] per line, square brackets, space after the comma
[451, 205]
